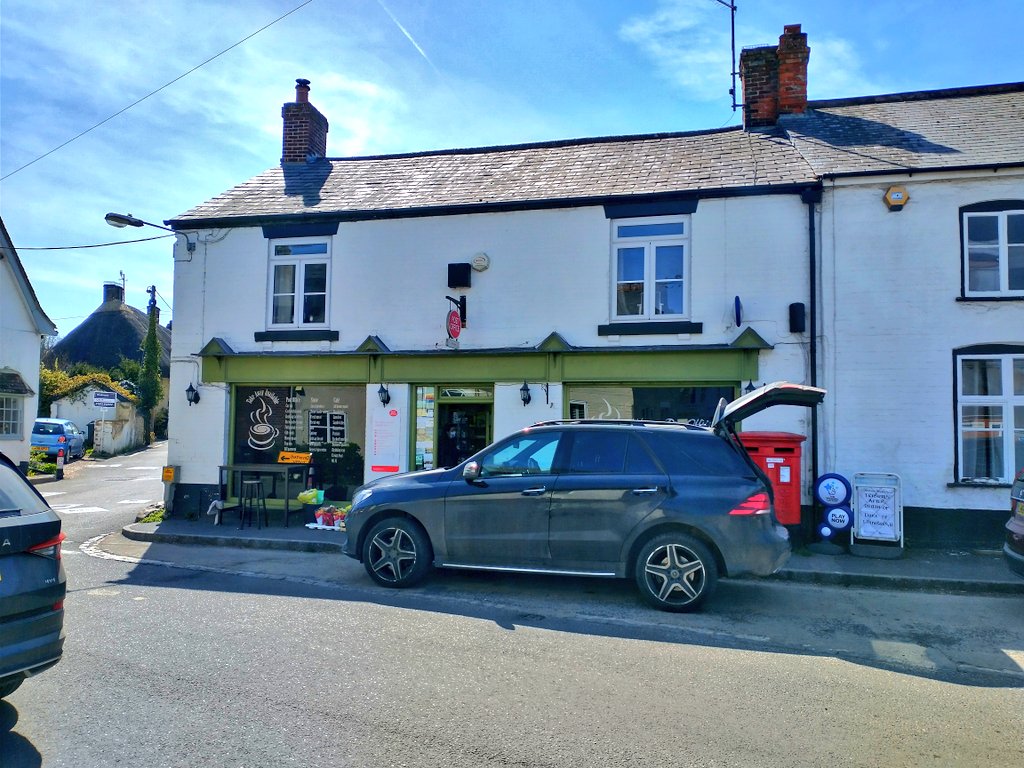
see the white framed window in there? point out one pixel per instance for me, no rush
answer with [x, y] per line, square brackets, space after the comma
[11, 417]
[990, 416]
[993, 253]
[650, 268]
[300, 276]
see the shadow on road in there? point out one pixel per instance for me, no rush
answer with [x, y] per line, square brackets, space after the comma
[742, 615]
[15, 750]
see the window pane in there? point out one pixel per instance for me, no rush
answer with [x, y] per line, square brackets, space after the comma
[982, 431]
[668, 262]
[284, 278]
[1015, 228]
[1018, 379]
[631, 264]
[314, 278]
[299, 249]
[650, 230]
[284, 309]
[629, 299]
[598, 452]
[983, 253]
[639, 461]
[982, 377]
[1018, 438]
[534, 454]
[983, 230]
[668, 298]
[1015, 262]
[314, 308]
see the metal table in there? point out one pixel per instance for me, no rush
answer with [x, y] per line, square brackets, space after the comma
[292, 474]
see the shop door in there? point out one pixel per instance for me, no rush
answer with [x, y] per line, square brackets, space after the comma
[463, 430]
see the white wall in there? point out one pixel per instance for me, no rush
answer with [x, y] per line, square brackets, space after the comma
[891, 320]
[19, 351]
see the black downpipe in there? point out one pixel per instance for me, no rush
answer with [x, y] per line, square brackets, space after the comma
[812, 197]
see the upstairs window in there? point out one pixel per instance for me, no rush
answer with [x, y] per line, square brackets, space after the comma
[993, 250]
[650, 262]
[990, 416]
[299, 280]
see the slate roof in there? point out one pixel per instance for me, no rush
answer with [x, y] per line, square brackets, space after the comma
[11, 383]
[112, 330]
[599, 170]
[953, 128]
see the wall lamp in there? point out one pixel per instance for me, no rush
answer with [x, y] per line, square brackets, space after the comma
[524, 394]
[384, 395]
[192, 395]
[121, 220]
[750, 387]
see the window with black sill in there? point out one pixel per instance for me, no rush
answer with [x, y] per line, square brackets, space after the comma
[990, 412]
[299, 284]
[992, 237]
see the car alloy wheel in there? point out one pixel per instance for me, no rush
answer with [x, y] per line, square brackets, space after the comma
[675, 572]
[397, 553]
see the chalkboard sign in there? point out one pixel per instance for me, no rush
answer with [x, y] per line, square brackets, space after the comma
[877, 507]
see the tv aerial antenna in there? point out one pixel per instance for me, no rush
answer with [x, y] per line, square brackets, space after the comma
[732, 25]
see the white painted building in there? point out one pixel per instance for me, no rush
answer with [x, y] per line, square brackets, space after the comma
[643, 276]
[22, 326]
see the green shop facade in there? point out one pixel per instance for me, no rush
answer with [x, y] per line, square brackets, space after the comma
[373, 411]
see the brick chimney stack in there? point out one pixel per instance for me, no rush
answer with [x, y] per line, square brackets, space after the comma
[305, 129]
[775, 79]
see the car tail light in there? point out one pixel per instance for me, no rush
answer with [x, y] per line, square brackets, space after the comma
[62, 439]
[758, 504]
[49, 548]
[59, 605]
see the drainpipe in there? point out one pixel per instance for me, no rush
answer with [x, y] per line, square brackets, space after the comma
[810, 198]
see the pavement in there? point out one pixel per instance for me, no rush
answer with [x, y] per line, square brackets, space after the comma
[201, 544]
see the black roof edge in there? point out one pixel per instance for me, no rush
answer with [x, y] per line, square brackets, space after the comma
[503, 207]
[941, 93]
[910, 170]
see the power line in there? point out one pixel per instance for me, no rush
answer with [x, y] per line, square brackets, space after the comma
[153, 93]
[96, 245]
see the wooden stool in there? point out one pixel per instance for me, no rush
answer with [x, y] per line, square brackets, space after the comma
[252, 501]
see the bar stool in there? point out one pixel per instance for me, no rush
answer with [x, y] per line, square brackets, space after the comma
[252, 501]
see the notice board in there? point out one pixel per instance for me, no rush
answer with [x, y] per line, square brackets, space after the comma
[877, 507]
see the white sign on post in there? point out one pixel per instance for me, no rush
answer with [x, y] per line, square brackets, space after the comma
[104, 399]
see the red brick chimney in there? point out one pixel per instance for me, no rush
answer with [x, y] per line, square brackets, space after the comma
[305, 129]
[775, 79]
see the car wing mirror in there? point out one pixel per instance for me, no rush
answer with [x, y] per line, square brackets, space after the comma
[471, 471]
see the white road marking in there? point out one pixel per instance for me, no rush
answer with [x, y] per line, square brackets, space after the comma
[109, 466]
[75, 509]
[132, 469]
[153, 477]
[134, 501]
[48, 494]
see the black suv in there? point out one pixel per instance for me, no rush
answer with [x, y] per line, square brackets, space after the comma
[670, 505]
[32, 582]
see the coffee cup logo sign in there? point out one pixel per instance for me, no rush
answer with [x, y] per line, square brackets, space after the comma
[262, 433]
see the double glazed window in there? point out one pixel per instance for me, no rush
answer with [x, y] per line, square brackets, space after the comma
[650, 263]
[993, 243]
[990, 416]
[11, 416]
[299, 280]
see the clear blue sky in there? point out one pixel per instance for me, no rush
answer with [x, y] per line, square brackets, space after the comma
[391, 76]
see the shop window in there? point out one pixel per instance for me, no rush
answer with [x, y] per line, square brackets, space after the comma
[993, 249]
[650, 263]
[990, 416]
[11, 418]
[691, 405]
[299, 280]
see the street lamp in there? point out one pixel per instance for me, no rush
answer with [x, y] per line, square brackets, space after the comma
[121, 220]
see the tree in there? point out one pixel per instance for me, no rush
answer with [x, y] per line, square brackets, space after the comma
[150, 389]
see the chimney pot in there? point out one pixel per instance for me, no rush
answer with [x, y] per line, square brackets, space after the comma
[302, 90]
[113, 292]
[304, 134]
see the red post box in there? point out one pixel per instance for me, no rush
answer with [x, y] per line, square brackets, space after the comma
[778, 454]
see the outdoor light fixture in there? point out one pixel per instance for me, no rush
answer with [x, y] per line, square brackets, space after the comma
[192, 395]
[384, 395]
[750, 387]
[121, 220]
[524, 394]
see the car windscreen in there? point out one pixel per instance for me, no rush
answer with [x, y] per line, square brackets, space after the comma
[16, 495]
[693, 454]
[47, 428]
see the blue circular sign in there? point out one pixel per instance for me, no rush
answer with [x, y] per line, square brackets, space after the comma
[832, 490]
[825, 532]
[838, 518]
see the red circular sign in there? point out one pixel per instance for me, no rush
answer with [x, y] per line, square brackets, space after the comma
[454, 325]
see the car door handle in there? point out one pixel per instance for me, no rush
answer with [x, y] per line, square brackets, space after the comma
[644, 491]
[535, 491]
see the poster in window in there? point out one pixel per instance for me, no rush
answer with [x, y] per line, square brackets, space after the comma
[260, 424]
